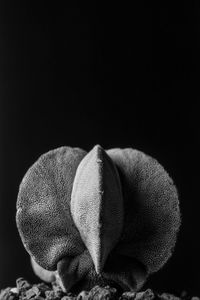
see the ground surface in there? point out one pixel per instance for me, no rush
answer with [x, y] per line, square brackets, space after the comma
[26, 291]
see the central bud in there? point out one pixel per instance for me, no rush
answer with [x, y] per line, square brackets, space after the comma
[97, 205]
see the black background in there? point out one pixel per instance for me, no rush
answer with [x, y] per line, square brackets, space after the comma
[118, 74]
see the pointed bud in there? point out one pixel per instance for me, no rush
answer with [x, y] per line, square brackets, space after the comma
[97, 205]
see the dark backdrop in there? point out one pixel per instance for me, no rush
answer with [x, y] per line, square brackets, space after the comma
[118, 75]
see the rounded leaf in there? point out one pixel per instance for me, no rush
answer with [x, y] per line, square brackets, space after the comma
[43, 208]
[151, 208]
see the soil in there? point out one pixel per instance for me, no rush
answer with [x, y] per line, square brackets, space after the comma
[26, 291]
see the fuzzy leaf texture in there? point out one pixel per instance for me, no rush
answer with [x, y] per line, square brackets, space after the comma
[97, 218]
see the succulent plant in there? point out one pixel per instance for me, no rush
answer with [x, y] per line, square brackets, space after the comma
[97, 218]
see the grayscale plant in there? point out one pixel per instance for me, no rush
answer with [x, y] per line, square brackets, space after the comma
[97, 218]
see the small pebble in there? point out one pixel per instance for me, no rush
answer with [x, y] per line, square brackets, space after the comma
[128, 295]
[43, 288]
[6, 294]
[50, 295]
[33, 293]
[167, 296]
[83, 295]
[22, 284]
[102, 293]
[14, 290]
[146, 295]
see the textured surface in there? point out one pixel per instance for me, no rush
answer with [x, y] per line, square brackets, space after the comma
[43, 215]
[97, 205]
[98, 218]
[151, 207]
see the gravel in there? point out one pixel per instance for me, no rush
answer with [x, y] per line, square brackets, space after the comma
[26, 291]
